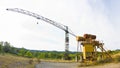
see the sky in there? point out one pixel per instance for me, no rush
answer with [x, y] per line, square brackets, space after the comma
[98, 17]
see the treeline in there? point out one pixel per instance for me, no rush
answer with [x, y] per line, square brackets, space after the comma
[6, 47]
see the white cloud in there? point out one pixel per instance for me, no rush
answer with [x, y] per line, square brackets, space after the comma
[82, 16]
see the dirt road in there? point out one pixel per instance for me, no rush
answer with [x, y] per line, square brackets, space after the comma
[73, 65]
[110, 65]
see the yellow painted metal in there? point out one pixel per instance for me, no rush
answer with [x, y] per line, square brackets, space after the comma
[79, 38]
[89, 45]
[88, 50]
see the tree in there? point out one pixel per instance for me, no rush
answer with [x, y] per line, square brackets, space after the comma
[28, 54]
[14, 50]
[38, 55]
[7, 47]
[22, 52]
[1, 48]
[42, 55]
[49, 55]
[72, 56]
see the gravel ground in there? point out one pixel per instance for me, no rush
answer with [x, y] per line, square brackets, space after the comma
[73, 65]
[110, 65]
[56, 65]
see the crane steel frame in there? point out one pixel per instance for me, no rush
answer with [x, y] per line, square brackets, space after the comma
[59, 25]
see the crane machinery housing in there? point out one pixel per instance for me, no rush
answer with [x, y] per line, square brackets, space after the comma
[59, 25]
[89, 48]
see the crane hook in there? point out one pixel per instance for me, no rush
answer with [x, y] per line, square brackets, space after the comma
[37, 23]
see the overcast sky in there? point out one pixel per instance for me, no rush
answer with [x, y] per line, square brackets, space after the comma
[98, 17]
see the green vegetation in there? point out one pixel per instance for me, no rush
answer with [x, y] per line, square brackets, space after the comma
[6, 47]
[8, 54]
[12, 57]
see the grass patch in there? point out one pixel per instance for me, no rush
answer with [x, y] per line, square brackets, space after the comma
[13, 61]
[115, 59]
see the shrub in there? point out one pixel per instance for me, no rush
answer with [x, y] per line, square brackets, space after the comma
[117, 58]
[31, 61]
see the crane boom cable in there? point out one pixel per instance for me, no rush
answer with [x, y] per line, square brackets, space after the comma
[59, 25]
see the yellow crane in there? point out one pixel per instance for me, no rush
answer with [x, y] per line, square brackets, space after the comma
[88, 41]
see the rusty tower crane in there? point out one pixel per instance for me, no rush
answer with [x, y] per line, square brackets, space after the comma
[59, 25]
